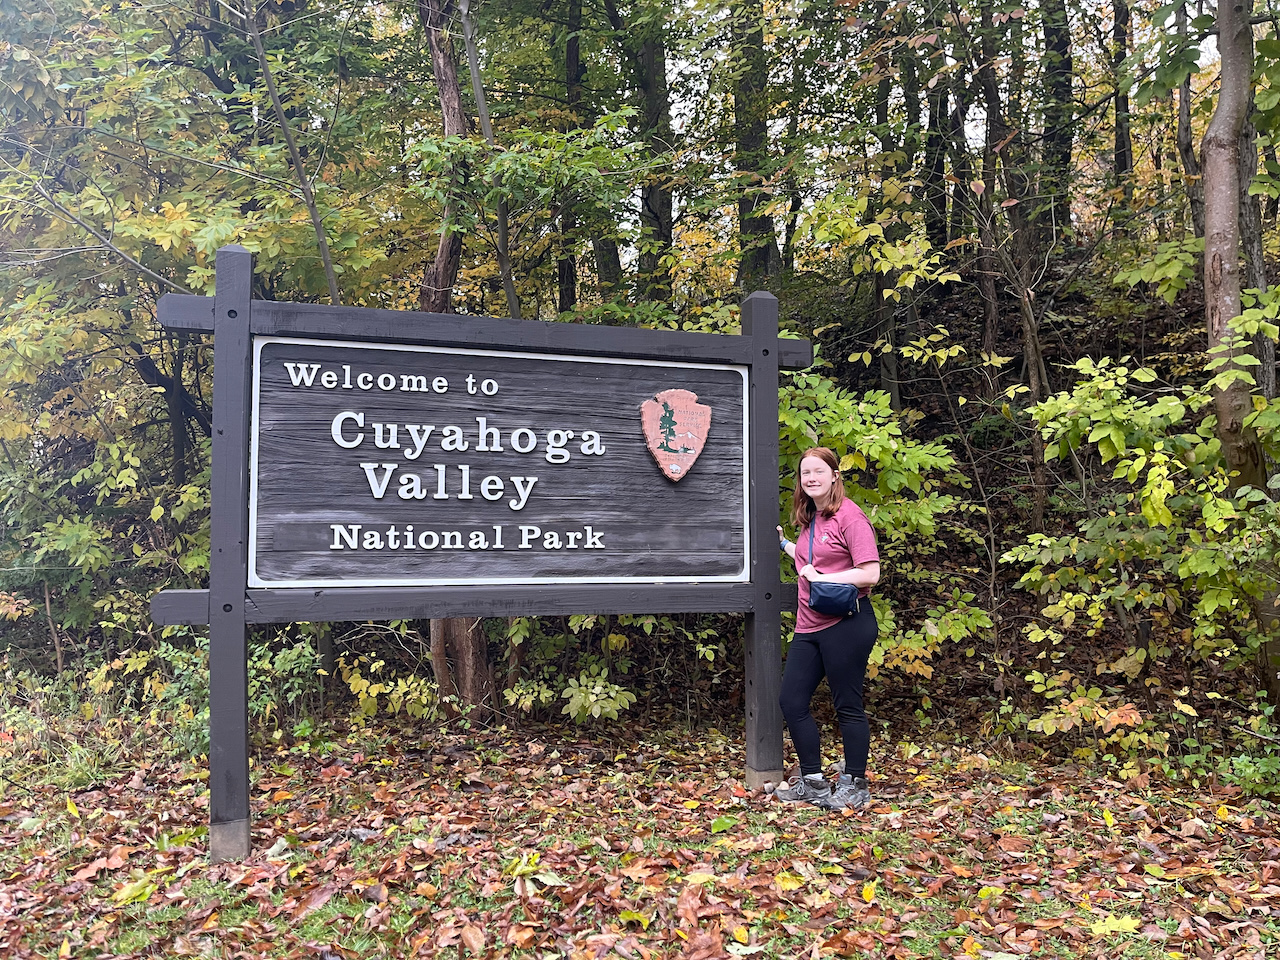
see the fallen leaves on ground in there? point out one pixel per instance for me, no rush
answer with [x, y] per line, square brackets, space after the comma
[494, 845]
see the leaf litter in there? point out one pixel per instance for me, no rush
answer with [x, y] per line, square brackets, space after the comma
[490, 844]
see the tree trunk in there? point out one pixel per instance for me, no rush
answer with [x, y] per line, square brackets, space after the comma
[987, 267]
[656, 201]
[1059, 118]
[644, 47]
[1255, 265]
[469, 650]
[608, 266]
[792, 146]
[445, 687]
[961, 196]
[482, 108]
[1221, 159]
[1191, 174]
[1005, 141]
[1223, 187]
[886, 330]
[54, 633]
[935, 152]
[1273, 203]
[909, 80]
[757, 243]
[1123, 153]
[299, 171]
[436, 295]
[566, 262]
[177, 418]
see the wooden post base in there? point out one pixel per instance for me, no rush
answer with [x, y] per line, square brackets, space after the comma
[756, 779]
[229, 841]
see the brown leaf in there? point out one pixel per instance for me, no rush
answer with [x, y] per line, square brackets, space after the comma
[316, 899]
[636, 871]
[687, 905]
[521, 935]
[119, 855]
[87, 873]
[705, 946]
[473, 939]
[1195, 827]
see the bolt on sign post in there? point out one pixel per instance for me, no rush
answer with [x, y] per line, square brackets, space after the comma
[377, 465]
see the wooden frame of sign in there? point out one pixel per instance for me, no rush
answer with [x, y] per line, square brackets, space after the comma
[374, 465]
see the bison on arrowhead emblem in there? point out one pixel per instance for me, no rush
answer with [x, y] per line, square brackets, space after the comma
[675, 428]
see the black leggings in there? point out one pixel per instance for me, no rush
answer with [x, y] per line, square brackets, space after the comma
[839, 652]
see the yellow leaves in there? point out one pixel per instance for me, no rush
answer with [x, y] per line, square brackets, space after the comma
[1110, 924]
[635, 916]
[14, 428]
[72, 809]
[788, 881]
[869, 891]
[853, 459]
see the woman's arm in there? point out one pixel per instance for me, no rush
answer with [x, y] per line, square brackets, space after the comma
[862, 576]
[786, 545]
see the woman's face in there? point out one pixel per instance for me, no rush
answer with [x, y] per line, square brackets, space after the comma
[816, 477]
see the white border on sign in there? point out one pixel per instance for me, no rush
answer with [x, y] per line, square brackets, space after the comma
[742, 576]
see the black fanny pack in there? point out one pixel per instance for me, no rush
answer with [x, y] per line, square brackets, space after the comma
[832, 599]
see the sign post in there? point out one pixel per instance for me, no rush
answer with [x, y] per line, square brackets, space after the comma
[763, 636]
[373, 464]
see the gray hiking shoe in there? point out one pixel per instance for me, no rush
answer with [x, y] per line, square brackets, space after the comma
[850, 793]
[812, 789]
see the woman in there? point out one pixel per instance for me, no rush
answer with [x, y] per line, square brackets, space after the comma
[844, 549]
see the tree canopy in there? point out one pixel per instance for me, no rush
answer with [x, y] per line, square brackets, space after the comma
[1031, 241]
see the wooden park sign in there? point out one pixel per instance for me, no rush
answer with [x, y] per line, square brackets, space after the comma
[374, 464]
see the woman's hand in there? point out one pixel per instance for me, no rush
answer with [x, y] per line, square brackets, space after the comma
[785, 545]
[810, 574]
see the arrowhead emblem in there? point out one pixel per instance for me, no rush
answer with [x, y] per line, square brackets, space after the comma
[675, 428]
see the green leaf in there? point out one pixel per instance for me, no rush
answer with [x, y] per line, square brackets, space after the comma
[136, 891]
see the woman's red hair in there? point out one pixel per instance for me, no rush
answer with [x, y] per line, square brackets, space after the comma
[803, 506]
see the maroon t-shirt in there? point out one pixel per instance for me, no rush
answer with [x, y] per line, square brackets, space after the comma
[840, 542]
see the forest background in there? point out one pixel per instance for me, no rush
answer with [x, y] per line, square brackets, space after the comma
[991, 218]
